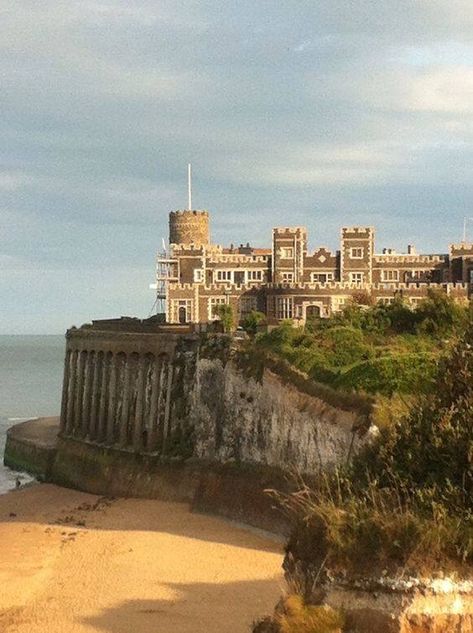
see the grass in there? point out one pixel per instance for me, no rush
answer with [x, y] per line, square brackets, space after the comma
[293, 615]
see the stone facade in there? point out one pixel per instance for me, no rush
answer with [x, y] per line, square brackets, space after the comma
[287, 281]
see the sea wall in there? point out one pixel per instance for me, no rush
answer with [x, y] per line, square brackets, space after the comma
[183, 396]
[31, 446]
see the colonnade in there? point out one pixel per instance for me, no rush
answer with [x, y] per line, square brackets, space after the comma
[117, 399]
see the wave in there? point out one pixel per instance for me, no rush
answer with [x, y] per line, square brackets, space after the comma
[23, 419]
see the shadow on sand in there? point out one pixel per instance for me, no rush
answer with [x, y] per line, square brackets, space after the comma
[191, 608]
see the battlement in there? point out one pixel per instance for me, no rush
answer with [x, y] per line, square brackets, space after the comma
[222, 288]
[237, 258]
[347, 285]
[357, 231]
[187, 213]
[405, 258]
[278, 230]
[462, 247]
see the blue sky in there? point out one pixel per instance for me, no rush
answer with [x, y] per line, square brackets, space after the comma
[319, 113]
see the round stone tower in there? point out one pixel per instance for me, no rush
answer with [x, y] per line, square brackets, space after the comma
[189, 227]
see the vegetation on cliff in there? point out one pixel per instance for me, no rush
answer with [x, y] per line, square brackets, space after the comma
[294, 615]
[402, 508]
[405, 505]
[380, 349]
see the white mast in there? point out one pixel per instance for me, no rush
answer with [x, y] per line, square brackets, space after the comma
[189, 186]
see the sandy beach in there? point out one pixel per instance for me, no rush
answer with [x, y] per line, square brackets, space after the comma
[71, 562]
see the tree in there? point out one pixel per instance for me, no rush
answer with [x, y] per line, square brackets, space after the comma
[224, 312]
[440, 314]
[252, 321]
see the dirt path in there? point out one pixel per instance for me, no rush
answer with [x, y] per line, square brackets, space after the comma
[76, 563]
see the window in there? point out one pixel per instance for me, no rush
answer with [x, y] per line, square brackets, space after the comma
[287, 252]
[247, 305]
[287, 278]
[357, 252]
[416, 275]
[198, 276]
[284, 307]
[338, 303]
[321, 278]
[181, 310]
[254, 275]
[390, 275]
[386, 301]
[212, 302]
[223, 275]
[356, 278]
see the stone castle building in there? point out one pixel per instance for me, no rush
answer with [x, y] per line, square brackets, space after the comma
[287, 281]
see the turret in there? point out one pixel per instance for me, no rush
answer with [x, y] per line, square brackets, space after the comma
[189, 227]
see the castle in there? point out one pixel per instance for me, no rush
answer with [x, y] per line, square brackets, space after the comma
[287, 281]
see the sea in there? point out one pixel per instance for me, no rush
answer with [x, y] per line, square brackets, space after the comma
[31, 369]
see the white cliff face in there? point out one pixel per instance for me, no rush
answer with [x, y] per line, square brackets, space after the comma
[268, 422]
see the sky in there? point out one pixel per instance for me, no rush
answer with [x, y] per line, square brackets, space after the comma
[319, 113]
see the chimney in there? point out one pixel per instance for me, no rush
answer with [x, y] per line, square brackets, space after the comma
[411, 249]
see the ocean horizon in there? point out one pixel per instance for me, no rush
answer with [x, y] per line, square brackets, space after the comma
[31, 368]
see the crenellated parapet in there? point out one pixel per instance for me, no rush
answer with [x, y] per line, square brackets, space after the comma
[344, 286]
[403, 259]
[236, 258]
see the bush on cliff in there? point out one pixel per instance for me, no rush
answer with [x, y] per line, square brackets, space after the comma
[293, 615]
[253, 321]
[395, 373]
[405, 505]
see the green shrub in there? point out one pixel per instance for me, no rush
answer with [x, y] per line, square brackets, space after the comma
[293, 615]
[440, 315]
[224, 312]
[346, 346]
[298, 617]
[252, 321]
[394, 373]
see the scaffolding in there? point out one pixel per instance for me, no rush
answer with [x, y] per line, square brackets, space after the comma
[166, 272]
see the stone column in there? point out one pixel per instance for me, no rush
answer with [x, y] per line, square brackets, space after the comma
[125, 404]
[71, 392]
[102, 421]
[65, 387]
[153, 409]
[164, 365]
[95, 395]
[167, 406]
[78, 394]
[88, 385]
[112, 400]
[138, 426]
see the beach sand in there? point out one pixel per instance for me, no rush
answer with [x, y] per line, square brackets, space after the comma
[73, 562]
